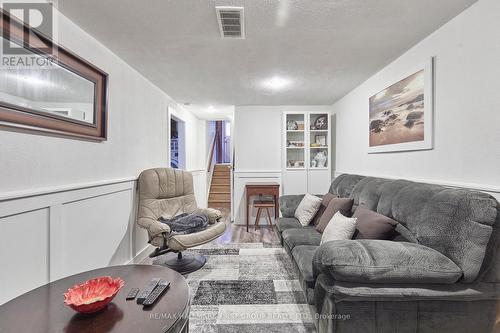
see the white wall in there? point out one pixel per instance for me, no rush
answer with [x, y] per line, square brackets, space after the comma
[257, 135]
[69, 205]
[467, 104]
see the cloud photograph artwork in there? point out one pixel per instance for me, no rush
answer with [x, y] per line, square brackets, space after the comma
[397, 112]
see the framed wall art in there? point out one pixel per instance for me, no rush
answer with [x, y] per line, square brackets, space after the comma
[401, 114]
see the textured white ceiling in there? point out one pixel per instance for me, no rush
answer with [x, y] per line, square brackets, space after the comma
[325, 47]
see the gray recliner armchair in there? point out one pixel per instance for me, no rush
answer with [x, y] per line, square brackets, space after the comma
[166, 192]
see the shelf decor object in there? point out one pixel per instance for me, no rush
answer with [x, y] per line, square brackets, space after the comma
[320, 123]
[53, 90]
[320, 140]
[93, 295]
[306, 153]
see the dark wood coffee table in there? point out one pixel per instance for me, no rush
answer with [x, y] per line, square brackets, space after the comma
[43, 309]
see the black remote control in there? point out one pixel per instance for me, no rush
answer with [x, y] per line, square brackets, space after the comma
[148, 290]
[132, 293]
[159, 290]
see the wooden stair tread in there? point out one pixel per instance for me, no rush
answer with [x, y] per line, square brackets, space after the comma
[220, 187]
[220, 181]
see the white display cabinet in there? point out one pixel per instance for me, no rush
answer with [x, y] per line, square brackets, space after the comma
[306, 152]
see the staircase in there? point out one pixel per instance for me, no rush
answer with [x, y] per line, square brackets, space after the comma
[220, 189]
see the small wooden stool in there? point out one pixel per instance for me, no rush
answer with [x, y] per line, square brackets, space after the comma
[261, 204]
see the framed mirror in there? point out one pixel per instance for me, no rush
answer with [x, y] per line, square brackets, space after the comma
[44, 87]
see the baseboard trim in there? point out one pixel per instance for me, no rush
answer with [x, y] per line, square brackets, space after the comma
[143, 254]
[470, 186]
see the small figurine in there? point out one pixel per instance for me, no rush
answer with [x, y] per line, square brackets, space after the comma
[292, 125]
[320, 159]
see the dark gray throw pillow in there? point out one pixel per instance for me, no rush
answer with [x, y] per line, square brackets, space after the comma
[372, 225]
[324, 203]
[343, 205]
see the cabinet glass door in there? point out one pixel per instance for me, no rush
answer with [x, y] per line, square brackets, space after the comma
[319, 150]
[295, 141]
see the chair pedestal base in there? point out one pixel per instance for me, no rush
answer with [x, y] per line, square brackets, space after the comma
[182, 263]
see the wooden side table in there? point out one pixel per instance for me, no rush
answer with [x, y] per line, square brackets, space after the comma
[261, 189]
[260, 205]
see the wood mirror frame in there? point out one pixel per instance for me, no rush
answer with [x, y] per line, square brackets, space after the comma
[33, 120]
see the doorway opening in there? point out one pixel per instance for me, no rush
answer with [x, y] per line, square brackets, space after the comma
[177, 144]
[220, 167]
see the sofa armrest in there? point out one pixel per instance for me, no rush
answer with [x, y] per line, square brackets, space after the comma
[380, 261]
[289, 203]
[349, 291]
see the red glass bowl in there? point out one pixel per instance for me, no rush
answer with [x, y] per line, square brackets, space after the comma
[93, 295]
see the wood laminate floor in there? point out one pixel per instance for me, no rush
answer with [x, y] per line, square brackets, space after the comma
[238, 233]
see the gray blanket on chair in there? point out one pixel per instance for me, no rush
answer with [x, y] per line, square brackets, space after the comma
[186, 223]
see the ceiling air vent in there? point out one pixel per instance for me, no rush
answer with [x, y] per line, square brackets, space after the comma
[231, 22]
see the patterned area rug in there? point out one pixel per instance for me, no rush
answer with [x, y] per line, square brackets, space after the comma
[247, 287]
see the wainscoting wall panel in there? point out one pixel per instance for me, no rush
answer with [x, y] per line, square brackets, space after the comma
[55, 232]
[238, 210]
[24, 251]
[60, 232]
[94, 232]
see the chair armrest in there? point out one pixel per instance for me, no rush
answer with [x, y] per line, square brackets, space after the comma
[184, 242]
[213, 215]
[154, 228]
[380, 261]
[289, 203]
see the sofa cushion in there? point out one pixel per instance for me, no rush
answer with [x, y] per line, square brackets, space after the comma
[285, 223]
[304, 236]
[342, 205]
[303, 257]
[372, 225]
[380, 261]
[324, 204]
[307, 208]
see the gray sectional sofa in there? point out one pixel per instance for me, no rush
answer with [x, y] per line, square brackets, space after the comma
[441, 273]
